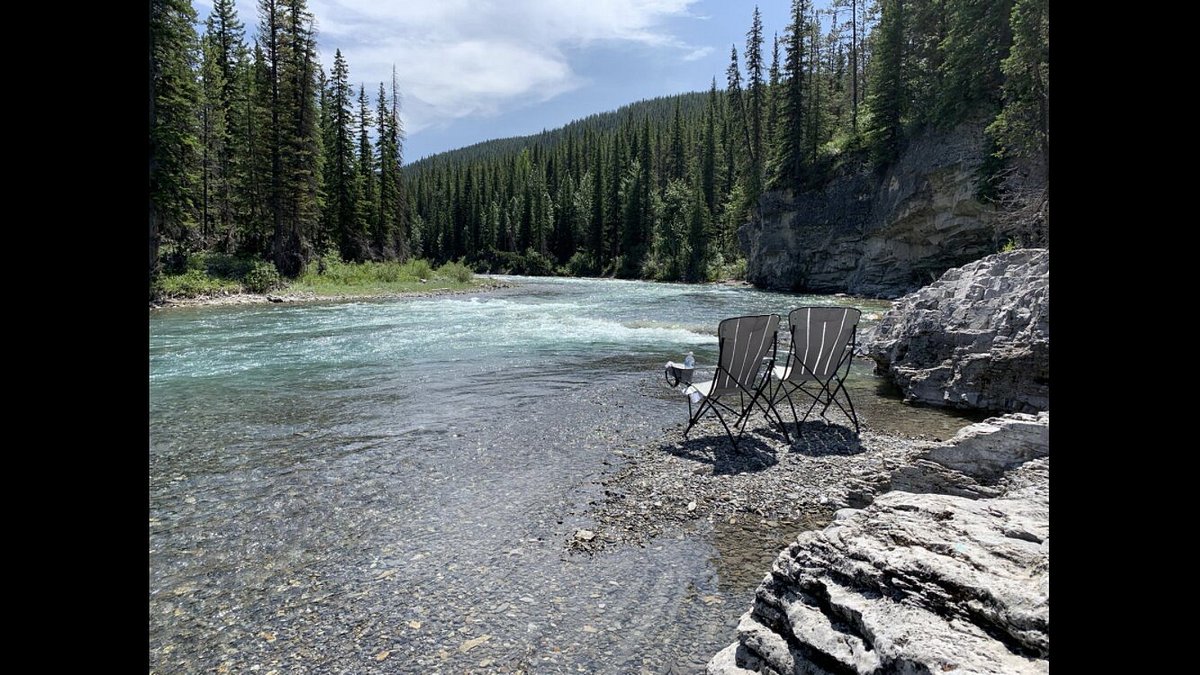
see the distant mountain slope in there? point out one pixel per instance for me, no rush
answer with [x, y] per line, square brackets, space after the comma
[659, 110]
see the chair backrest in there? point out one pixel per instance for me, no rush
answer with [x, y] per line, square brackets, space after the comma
[820, 339]
[744, 342]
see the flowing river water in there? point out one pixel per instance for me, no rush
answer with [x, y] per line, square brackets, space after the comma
[387, 486]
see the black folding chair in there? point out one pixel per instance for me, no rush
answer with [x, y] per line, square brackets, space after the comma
[746, 344]
[818, 362]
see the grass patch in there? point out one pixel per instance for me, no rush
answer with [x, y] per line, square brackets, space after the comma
[194, 283]
[331, 276]
[214, 274]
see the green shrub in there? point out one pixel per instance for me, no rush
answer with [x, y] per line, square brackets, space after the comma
[582, 265]
[193, 283]
[456, 271]
[735, 269]
[262, 278]
[538, 264]
[416, 269]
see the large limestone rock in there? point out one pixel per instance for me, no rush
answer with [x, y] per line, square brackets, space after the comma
[978, 337]
[975, 463]
[874, 235]
[916, 582]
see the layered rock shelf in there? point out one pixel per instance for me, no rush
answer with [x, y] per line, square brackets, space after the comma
[918, 581]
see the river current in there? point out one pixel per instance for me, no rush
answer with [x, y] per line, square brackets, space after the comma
[386, 486]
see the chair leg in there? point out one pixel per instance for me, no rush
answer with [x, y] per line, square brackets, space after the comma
[732, 440]
[850, 402]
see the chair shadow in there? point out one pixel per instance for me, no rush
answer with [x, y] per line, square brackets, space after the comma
[818, 438]
[750, 455]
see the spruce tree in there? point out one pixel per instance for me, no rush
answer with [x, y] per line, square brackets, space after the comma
[343, 185]
[214, 201]
[174, 146]
[888, 96]
[977, 40]
[755, 105]
[794, 123]
[367, 210]
[708, 151]
[1022, 127]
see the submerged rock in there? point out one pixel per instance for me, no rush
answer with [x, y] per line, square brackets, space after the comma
[977, 338]
[915, 582]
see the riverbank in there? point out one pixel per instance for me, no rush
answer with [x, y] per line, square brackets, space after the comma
[766, 484]
[298, 296]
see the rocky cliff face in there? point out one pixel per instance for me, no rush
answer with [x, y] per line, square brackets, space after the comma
[918, 582]
[877, 236]
[977, 338]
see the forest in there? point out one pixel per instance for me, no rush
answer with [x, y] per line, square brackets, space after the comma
[257, 153]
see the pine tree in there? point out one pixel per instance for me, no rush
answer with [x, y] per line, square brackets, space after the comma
[215, 207]
[977, 40]
[676, 161]
[773, 96]
[343, 188]
[596, 228]
[612, 205]
[888, 96]
[387, 235]
[708, 151]
[756, 107]
[1023, 126]
[794, 125]
[227, 36]
[366, 215]
[173, 151]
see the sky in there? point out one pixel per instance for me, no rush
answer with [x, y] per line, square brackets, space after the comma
[474, 70]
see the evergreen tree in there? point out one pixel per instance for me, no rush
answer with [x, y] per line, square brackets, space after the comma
[612, 205]
[755, 99]
[227, 54]
[173, 151]
[794, 125]
[977, 40]
[1023, 126]
[366, 215]
[677, 160]
[888, 96]
[708, 151]
[596, 229]
[342, 186]
[773, 96]
[215, 207]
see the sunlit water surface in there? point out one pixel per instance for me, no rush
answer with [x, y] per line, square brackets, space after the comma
[387, 486]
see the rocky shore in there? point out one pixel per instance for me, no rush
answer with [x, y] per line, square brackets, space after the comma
[661, 487]
[918, 580]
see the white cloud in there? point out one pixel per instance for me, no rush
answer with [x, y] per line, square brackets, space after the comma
[458, 58]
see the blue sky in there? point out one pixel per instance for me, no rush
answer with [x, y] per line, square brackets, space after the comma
[472, 70]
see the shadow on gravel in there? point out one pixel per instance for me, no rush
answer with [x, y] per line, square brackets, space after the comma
[751, 454]
[817, 438]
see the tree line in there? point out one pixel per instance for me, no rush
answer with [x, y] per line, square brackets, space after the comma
[256, 150]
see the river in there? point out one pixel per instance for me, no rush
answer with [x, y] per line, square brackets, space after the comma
[386, 486]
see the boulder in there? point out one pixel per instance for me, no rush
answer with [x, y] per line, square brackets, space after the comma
[918, 582]
[977, 338]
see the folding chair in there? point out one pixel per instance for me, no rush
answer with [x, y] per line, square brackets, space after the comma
[744, 343]
[823, 341]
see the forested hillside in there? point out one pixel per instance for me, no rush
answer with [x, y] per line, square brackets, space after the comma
[255, 150]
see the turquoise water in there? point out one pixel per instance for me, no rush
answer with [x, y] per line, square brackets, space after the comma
[325, 477]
